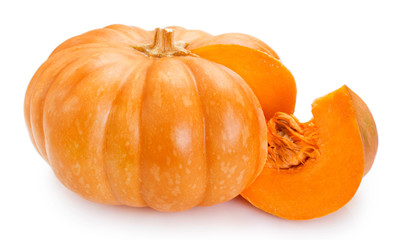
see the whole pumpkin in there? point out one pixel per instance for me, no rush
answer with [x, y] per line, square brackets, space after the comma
[132, 117]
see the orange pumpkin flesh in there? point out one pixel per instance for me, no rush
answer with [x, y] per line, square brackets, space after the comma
[122, 124]
[272, 83]
[336, 149]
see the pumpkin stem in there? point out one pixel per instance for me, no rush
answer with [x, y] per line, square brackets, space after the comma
[164, 46]
[291, 142]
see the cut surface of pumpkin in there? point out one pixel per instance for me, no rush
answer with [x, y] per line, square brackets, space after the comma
[272, 83]
[315, 168]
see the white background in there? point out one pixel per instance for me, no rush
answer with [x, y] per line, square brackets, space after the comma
[324, 44]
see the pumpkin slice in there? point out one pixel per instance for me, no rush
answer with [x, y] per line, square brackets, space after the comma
[315, 168]
[272, 83]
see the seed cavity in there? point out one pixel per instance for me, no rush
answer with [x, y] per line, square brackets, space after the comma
[290, 142]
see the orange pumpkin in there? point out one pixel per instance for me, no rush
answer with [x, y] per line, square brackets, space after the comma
[122, 120]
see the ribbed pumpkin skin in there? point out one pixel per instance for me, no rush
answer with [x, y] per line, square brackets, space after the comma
[119, 127]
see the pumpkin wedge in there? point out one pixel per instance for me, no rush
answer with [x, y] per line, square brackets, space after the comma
[315, 168]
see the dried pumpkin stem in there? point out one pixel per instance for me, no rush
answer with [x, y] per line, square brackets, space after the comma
[291, 143]
[164, 46]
